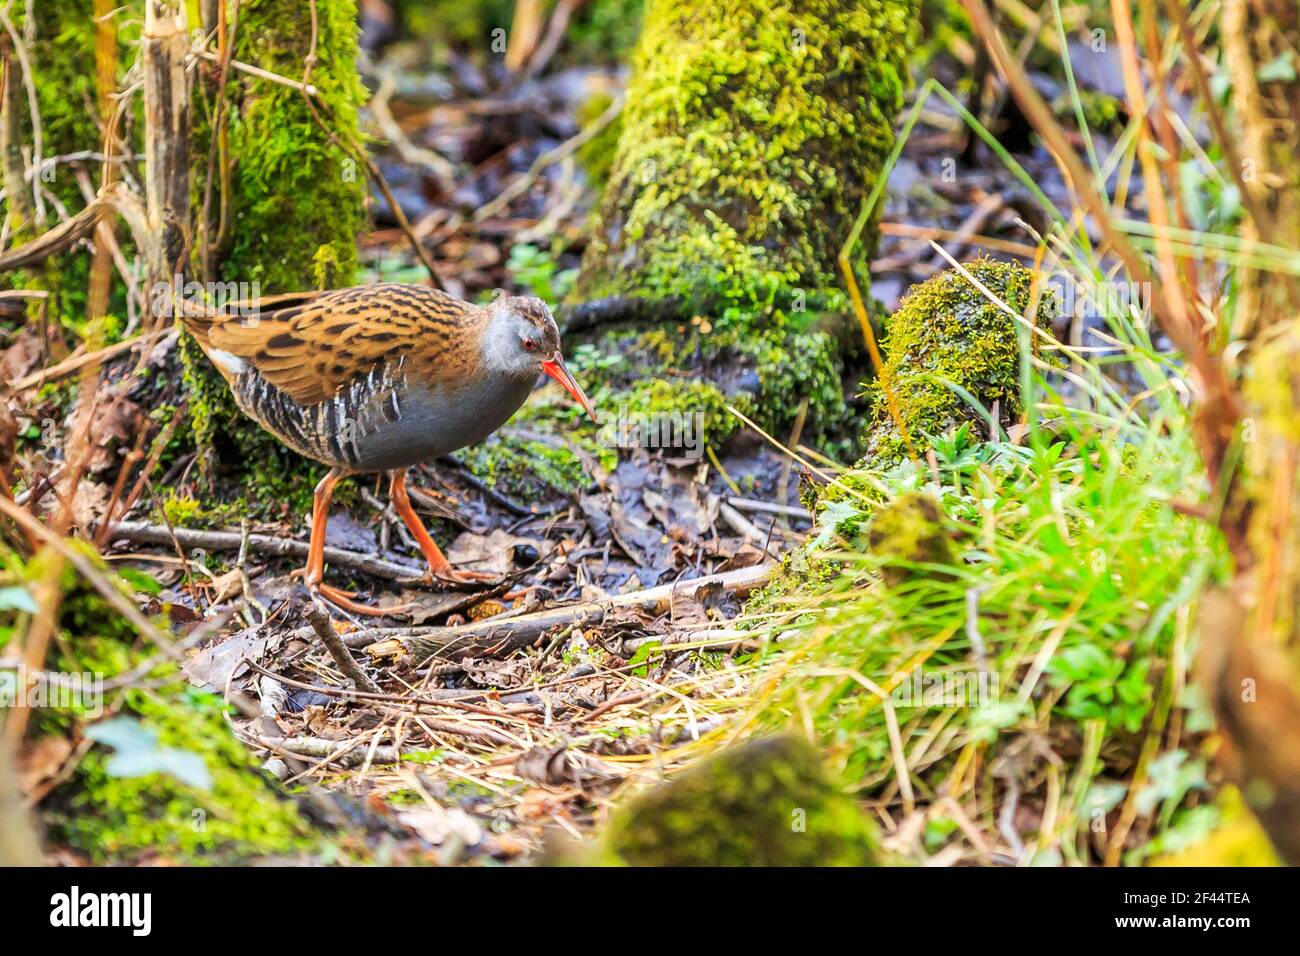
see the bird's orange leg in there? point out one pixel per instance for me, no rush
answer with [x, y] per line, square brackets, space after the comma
[314, 573]
[439, 566]
[320, 512]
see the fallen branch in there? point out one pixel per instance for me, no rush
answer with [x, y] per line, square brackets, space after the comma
[349, 755]
[494, 638]
[139, 532]
[743, 526]
[769, 507]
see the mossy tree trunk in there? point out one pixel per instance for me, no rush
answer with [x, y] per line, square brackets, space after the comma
[752, 131]
[286, 201]
[231, 811]
[298, 199]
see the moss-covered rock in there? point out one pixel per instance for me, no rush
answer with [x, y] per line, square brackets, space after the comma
[948, 333]
[764, 803]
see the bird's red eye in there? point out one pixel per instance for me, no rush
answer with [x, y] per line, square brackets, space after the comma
[530, 345]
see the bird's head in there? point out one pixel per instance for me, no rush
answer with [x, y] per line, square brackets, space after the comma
[522, 338]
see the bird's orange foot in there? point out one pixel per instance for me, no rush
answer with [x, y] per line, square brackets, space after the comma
[452, 576]
[343, 600]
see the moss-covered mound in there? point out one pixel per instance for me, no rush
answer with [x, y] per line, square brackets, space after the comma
[948, 338]
[908, 531]
[765, 803]
[189, 792]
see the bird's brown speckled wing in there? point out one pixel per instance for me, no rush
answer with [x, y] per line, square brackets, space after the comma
[313, 351]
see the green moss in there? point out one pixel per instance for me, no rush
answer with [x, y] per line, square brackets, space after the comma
[299, 200]
[948, 332]
[124, 818]
[597, 154]
[765, 803]
[945, 331]
[765, 372]
[183, 511]
[526, 468]
[685, 399]
[751, 134]
[794, 366]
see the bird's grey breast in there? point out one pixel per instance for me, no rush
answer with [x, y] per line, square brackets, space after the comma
[418, 421]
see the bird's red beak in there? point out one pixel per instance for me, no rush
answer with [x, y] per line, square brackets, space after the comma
[554, 367]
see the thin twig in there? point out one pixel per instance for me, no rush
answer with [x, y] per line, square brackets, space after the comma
[320, 623]
[142, 533]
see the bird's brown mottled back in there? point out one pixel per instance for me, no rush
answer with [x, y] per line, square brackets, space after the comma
[314, 351]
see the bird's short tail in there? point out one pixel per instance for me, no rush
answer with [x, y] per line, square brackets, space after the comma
[199, 317]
